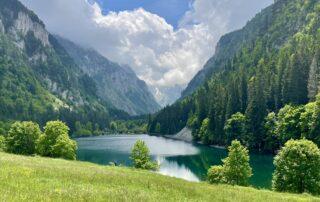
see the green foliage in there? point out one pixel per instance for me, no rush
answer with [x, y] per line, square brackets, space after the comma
[272, 137]
[141, 158]
[236, 169]
[22, 138]
[297, 168]
[3, 146]
[315, 122]
[216, 175]
[55, 141]
[237, 128]
[113, 126]
[64, 148]
[204, 132]
[289, 123]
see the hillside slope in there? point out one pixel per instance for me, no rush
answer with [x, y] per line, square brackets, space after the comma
[41, 179]
[273, 61]
[270, 24]
[116, 84]
[38, 79]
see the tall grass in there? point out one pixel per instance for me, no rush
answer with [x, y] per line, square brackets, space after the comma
[43, 179]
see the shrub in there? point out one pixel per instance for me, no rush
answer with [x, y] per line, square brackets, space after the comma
[2, 143]
[141, 157]
[64, 148]
[22, 138]
[236, 169]
[216, 175]
[297, 168]
[55, 141]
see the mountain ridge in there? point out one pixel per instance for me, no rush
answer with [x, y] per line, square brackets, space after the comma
[116, 84]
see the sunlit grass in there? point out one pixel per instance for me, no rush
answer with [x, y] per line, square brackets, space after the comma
[42, 179]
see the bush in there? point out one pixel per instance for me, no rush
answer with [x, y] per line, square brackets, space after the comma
[236, 169]
[216, 175]
[297, 168]
[2, 143]
[141, 157]
[55, 141]
[64, 148]
[22, 138]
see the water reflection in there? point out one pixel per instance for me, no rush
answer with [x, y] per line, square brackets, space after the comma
[173, 169]
[176, 158]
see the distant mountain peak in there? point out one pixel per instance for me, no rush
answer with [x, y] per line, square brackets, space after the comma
[117, 84]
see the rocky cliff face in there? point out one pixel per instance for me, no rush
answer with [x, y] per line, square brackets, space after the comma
[116, 84]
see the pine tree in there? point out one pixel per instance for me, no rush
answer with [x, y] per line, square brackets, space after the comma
[256, 111]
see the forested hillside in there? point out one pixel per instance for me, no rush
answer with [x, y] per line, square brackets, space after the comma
[39, 81]
[116, 84]
[273, 61]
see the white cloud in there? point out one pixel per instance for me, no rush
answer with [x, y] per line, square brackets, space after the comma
[159, 54]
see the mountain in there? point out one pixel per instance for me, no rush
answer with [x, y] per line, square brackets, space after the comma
[230, 44]
[39, 80]
[167, 95]
[116, 84]
[271, 62]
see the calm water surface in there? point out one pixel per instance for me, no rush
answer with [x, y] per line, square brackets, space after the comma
[176, 158]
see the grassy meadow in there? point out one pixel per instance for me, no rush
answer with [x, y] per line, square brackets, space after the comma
[43, 179]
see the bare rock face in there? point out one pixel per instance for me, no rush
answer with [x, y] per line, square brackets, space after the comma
[24, 24]
[1, 27]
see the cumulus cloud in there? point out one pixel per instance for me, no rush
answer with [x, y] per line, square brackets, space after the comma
[161, 55]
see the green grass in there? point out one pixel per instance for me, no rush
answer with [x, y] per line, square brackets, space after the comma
[43, 179]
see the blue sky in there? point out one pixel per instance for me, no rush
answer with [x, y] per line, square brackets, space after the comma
[171, 10]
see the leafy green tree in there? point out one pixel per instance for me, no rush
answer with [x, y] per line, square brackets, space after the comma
[141, 158]
[2, 143]
[307, 119]
[158, 128]
[216, 175]
[64, 148]
[237, 128]
[113, 126]
[204, 132]
[22, 138]
[272, 142]
[289, 123]
[236, 167]
[55, 141]
[297, 168]
[315, 123]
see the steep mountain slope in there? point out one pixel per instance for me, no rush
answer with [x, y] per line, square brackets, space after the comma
[273, 61]
[262, 25]
[39, 80]
[116, 84]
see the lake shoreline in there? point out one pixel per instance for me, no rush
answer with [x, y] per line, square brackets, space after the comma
[185, 135]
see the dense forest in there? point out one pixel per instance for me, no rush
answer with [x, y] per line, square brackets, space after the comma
[257, 83]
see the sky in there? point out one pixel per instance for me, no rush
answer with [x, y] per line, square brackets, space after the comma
[166, 42]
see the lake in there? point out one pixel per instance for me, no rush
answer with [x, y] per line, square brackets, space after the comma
[176, 158]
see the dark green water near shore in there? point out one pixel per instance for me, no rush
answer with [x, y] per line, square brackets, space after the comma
[176, 158]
